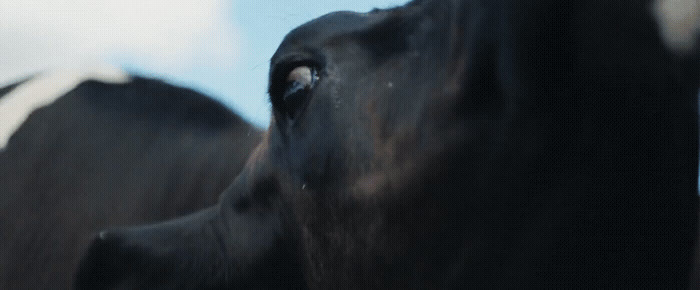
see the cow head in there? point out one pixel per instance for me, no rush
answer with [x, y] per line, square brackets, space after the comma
[446, 143]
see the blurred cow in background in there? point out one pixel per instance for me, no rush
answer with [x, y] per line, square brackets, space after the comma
[81, 151]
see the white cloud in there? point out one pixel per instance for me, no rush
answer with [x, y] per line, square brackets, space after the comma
[679, 22]
[164, 35]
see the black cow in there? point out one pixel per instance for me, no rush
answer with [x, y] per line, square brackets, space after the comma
[451, 144]
[102, 154]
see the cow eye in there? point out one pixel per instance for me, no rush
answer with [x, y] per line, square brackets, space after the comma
[299, 83]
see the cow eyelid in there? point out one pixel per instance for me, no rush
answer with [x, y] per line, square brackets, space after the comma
[281, 71]
[301, 77]
[290, 91]
[302, 73]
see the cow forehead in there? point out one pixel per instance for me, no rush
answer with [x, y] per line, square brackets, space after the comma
[43, 90]
[313, 34]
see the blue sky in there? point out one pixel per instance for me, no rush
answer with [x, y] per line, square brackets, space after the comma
[221, 48]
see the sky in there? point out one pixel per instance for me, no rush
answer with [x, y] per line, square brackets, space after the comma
[221, 48]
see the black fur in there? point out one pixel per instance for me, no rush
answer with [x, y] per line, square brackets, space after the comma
[106, 155]
[469, 144]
